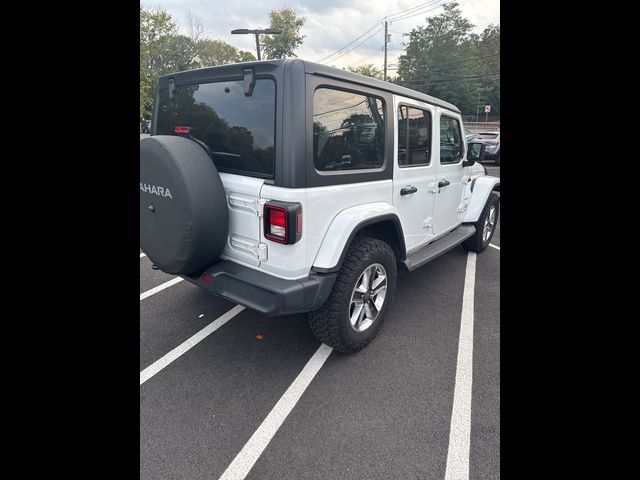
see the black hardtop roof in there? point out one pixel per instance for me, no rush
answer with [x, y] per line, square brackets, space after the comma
[326, 71]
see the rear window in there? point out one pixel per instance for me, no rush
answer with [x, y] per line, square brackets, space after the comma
[488, 136]
[239, 130]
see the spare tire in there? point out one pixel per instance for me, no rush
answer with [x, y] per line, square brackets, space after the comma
[183, 206]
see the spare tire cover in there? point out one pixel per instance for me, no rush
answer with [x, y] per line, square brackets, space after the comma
[183, 206]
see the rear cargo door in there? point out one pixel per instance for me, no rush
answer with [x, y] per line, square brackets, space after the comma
[234, 119]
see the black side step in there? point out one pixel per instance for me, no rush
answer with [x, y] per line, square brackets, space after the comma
[440, 246]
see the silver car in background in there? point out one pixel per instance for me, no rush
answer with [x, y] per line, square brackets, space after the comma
[491, 141]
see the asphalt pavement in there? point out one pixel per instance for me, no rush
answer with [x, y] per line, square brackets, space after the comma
[383, 413]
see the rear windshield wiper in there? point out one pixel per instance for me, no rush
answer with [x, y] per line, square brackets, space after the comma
[209, 151]
[225, 154]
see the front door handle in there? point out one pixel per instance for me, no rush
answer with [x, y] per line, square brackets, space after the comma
[408, 190]
[443, 183]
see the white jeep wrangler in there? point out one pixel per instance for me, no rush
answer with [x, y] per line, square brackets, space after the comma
[288, 186]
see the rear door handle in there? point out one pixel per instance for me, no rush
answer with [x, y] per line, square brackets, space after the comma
[408, 190]
[443, 183]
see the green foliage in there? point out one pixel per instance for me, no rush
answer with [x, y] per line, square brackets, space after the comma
[369, 70]
[163, 50]
[244, 56]
[155, 28]
[445, 59]
[216, 52]
[284, 44]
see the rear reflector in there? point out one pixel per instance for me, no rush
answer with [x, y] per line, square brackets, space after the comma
[207, 278]
[182, 129]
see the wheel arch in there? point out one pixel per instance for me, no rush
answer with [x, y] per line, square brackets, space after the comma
[385, 227]
[481, 188]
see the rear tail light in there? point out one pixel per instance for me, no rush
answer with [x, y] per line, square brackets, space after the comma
[283, 222]
[182, 129]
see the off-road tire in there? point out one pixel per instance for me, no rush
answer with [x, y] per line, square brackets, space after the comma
[476, 243]
[330, 323]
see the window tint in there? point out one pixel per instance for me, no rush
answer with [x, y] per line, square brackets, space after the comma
[414, 136]
[348, 131]
[451, 146]
[239, 130]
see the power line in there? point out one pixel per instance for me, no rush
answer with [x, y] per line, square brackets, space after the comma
[351, 42]
[389, 17]
[371, 28]
[451, 82]
[486, 22]
[405, 17]
[450, 63]
[356, 46]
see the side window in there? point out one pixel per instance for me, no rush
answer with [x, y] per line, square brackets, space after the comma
[414, 137]
[451, 145]
[348, 131]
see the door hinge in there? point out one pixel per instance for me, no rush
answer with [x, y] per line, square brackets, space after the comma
[247, 203]
[258, 249]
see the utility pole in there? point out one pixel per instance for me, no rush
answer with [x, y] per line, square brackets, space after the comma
[258, 45]
[385, 50]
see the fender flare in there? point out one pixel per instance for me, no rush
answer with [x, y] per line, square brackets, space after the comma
[344, 228]
[481, 188]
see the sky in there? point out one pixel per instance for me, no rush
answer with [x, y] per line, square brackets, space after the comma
[330, 25]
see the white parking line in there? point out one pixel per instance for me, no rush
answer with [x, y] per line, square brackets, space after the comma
[460, 432]
[494, 246]
[159, 288]
[187, 345]
[244, 461]
[143, 255]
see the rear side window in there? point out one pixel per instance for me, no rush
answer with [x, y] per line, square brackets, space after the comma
[239, 130]
[414, 137]
[348, 131]
[451, 146]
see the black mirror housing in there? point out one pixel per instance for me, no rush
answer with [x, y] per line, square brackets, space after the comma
[475, 153]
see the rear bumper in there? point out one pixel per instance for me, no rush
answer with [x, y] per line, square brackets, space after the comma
[265, 293]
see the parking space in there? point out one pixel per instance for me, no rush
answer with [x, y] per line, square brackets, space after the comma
[150, 278]
[385, 412]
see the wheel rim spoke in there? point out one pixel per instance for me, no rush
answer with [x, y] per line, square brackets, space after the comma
[378, 281]
[356, 316]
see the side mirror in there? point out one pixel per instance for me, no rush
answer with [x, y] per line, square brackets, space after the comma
[475, 153]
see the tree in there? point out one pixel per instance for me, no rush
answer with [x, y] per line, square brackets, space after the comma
[369, 70]
[179, 53]
[216, 52]
[155, 27]
[284, 44]
[488, 45]
[244, 56]
[445, 59]
[163, 50]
